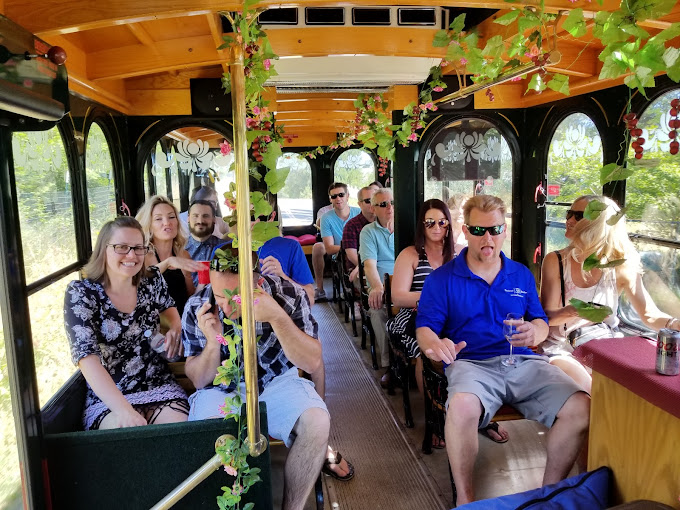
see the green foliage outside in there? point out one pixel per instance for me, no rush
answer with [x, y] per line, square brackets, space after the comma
[356, 168]
[299, 181]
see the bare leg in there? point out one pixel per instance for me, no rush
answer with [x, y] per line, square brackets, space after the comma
[319, 380]
[462, 443]
[305, 457]
[570, 366]
[566, 437]
[169, 415]
[318, 252]
[419, 375]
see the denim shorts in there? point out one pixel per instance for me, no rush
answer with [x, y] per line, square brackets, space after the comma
[533, 386]
[287, 397]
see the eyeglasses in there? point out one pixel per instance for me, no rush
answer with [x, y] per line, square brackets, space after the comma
[385, 203]
[577, 215]
[124, 249]
[341, 195]
[480, 231]
[366, 200]
[429, 222]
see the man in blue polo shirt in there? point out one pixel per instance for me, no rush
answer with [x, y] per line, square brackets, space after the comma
[461, 313]
[376, 248]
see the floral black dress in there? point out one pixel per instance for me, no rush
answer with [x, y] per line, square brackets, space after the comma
[95, 326]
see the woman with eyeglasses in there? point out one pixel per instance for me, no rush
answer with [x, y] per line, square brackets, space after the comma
[563, 278]
[159, 219]
[112, 316]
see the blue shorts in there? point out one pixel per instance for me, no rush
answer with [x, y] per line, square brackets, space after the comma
[287, 397]
[533, 386]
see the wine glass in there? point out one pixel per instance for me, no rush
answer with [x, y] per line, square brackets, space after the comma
[512, 320]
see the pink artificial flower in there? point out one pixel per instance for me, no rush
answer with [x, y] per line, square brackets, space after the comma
[267, 139]
[516, 78]
[236, 299]
[434, 108]
[463, 61]
[250, 122]
[429, 106]
[221, 340]
[223, 409]
[533, 52]
[444, 63]
[237, 489]
[231, 470]
[412, 137]
[256, 110]
[231, 204]
[377, 98]
[267, 64]
[225, 148]
[438, 88]
[239, 38]
[256, 301]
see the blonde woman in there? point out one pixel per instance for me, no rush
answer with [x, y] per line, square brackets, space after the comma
[563, 278]
[160, 221]
[111, 316]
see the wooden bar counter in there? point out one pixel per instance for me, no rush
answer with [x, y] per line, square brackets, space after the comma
[634, 419]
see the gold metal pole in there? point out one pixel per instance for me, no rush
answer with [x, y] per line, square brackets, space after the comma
[554, 58]
[193, 480]
[256, 443]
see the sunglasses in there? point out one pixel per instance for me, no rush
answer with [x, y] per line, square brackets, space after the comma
[480, 231]
[429, 223]
[366, 200]
[577, 215]
[385, 203]
[341, 195]
[124, 249]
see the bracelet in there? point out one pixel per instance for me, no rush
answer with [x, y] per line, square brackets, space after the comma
[669, 324]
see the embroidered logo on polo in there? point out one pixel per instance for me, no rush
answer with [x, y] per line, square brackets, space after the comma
[516, 292]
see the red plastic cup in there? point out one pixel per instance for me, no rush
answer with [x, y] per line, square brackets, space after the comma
[204, 274]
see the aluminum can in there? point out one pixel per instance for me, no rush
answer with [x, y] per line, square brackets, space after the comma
[668, 352]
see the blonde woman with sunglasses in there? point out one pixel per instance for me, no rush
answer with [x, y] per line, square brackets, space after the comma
[563, 278]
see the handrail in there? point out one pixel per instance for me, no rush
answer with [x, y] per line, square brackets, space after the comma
[256, 443]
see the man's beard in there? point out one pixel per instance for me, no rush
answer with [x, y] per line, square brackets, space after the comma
[198, 233]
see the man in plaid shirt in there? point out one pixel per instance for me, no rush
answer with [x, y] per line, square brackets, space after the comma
[288, 340]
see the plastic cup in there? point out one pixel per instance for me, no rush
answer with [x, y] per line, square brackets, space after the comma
[204, 274]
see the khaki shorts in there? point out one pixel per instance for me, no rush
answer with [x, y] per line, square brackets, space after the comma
[533, 386]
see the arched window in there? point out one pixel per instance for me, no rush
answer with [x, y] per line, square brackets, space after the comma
[101, 191]
[653, 208]
[295, 199]
[469, 157]
[574, 162]
[356, 168]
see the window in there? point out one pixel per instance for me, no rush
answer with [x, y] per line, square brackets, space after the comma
[469, 157]
[356, 168]
[101, 193]
[574, 162]
[44, 199]
[10, 481]
[295, 199]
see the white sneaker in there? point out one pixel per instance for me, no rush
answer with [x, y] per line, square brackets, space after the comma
[319, 295]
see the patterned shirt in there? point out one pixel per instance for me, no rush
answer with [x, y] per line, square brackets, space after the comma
[350, 235]
[271, 359]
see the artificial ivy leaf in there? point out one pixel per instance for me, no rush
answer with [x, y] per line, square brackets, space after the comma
[441, 39]
[529, 20]
[471, 39]
[251, 134]
[612, 69]
[590, 311]
[593, 209]
[270, 158]
[507, 18]
[615, 219]
[591, 262]
[644, 9]
[666, 34]
[575, 23]
[516, 46]
[475, 63]
[674, 71]
[249, 506]
[494, 47]
[458, 24]
[613, 172]
[651, 57]
[493, 69]
[607, 27]
[634, 30]
[670, 56]
[559, 83]
[261, 206]
[276, 179]
[262, 232]
[536, 83]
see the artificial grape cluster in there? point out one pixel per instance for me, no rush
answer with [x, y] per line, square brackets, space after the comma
[541, 60]
[490, 95]
[674, 124]
[250, 50]
[382, 166]
[635, 133]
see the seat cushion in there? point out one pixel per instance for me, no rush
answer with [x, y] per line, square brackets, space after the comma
[588, 490]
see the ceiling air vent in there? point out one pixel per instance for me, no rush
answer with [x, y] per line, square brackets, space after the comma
[371, 16]
[279, 16]
[325, 15]
[417, 16]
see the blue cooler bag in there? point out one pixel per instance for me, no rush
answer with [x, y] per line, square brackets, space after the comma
[587, 491]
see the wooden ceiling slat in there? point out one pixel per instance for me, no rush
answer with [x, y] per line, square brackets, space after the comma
[315, 115]
[141, 34]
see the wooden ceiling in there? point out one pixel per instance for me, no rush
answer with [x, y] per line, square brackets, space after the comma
[137, 56]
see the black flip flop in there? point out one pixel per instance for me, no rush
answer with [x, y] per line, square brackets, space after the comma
[493, 426]
[337, 459]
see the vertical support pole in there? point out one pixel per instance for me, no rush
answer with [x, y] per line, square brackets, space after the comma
[257, 444]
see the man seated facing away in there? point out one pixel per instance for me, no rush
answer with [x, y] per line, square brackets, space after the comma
[332, 224]
[287, 341]
[376, 248]
[201, 242]
[352, 230]
[460, 319]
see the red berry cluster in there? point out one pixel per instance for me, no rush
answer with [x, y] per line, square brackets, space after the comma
[490, 95]
[635, 133]
[674, 123]
[357, 123]
[382, 166]
[256, 147]
[541, 60]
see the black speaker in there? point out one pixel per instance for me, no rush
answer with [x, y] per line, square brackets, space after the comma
[208, 98]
